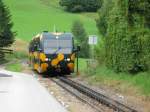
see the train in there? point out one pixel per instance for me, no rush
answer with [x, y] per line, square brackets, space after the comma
[53, 52]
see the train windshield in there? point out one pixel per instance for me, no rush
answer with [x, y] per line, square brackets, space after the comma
[55, 46]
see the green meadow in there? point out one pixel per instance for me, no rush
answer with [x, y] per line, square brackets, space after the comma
[31, 17]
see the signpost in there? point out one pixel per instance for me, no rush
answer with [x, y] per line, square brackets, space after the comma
[93, 41]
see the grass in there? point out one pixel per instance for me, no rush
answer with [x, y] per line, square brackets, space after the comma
[16, 67]
[14, 60]
[19, 54]
[34, 16]
[82, 64]
[124, 82]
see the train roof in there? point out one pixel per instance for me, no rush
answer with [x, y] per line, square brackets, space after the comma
[50, 35]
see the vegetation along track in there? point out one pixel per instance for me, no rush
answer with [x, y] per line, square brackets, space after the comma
[82, 92]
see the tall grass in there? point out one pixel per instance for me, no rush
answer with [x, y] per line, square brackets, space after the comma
[140, 82]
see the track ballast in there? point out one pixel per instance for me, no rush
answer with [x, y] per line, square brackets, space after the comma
[65, 82]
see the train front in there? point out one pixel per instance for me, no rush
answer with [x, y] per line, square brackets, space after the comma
[58, 51]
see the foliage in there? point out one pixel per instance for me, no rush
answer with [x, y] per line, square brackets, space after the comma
[127, 34]
[103, 14]
[6, 34]
[81, 38]
[81, 5]
[100, 52]
[82, 64]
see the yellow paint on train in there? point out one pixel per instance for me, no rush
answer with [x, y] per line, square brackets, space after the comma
[42, 57]
[44, 67]
[60, 56]
[36, 66]
[54, 62]
[71, 66]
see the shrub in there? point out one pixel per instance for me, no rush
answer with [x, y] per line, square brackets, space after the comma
[81, 38]
[81, 5]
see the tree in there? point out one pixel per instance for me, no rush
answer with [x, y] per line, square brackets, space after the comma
[103, 17]
[81, 5]
[6, 34]
[127, 34]
[81, 38]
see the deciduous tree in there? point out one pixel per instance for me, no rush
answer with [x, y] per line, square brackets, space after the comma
[81, 38]
[125, 26]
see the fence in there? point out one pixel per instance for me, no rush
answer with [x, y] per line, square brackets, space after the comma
[4, 51]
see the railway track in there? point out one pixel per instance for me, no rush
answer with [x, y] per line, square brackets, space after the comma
[97, 100]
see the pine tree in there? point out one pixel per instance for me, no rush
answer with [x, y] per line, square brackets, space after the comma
[6, 33]
[81, 38]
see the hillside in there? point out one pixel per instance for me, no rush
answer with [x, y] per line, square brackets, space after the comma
[34, 16]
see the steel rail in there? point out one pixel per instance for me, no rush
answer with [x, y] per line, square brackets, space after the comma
[114, 104]
[77, 95]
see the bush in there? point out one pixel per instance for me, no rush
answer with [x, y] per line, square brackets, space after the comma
[77, 8]
[81, 5]
[81, 38]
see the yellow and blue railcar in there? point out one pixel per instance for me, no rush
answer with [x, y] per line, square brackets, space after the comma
[52, 52]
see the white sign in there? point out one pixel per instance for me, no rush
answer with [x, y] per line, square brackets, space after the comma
[93, 40]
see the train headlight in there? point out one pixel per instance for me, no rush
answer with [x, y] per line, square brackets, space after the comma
[46, 59]
[68, 59]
